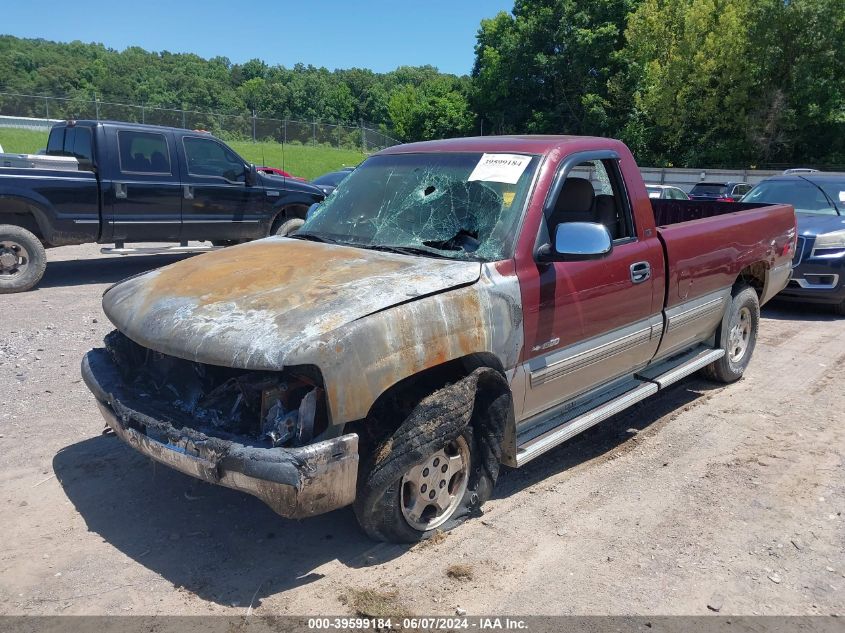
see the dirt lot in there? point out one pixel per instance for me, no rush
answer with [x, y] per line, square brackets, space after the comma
[731, 497]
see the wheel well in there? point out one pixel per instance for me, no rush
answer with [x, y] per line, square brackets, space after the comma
[393, 406]
[754, 276]
[292, 211]
[19, 213]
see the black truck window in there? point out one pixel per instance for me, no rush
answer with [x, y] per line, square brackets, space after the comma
[207, 157]
[56, 142]
[143, 152]
[71, 141]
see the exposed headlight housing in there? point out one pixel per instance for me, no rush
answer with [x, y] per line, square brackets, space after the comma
[829, 244]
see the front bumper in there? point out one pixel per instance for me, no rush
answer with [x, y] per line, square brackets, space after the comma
[817, 281]
[294, 482]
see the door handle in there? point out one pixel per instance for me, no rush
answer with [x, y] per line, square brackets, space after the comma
[640, 272]
[188, 192]
[120, 190]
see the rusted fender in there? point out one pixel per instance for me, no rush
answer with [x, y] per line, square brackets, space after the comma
[366, 319]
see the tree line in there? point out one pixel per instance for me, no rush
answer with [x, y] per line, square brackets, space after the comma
[701, 83]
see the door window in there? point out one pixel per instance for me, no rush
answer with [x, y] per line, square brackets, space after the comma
[593, 192]
[143, 152]
[209, 158]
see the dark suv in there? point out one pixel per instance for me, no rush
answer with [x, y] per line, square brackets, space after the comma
[818, 270]
[722, 191]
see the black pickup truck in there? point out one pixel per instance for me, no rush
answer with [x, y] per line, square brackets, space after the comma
[125, 182]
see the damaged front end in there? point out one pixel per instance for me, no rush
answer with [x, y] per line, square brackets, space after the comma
[264, 433]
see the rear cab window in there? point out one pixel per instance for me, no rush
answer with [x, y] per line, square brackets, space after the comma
[75, 142]
[709, 189]
[143, 152]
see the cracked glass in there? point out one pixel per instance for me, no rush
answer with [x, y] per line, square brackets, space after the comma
[426, 204]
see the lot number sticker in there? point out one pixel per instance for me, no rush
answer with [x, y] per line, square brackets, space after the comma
[505, 168]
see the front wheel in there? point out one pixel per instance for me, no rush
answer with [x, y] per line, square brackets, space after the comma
[738, 336]
[439, 466]
[22, 259]
[286, 227]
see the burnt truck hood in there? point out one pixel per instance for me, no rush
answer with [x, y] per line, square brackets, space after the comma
[250, 306]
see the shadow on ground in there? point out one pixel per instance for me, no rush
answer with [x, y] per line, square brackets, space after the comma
[620, 433]
[788, 311]
[224, 546]
[100, 270]
[229, 548]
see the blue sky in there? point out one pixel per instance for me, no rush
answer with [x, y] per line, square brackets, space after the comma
[373, 34]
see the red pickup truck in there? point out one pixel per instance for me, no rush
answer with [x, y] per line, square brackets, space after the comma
[451, 307]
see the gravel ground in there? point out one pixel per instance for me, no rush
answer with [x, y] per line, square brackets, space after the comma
[703, 498]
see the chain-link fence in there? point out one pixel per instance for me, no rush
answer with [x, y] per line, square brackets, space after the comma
[231, 127]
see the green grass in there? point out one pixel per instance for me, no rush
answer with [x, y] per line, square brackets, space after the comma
[299, 160]
[17, 141]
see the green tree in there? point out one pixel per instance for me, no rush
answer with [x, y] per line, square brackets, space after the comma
[735, 83]
[546, 68]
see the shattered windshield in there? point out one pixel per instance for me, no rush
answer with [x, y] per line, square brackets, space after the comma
[461, 206]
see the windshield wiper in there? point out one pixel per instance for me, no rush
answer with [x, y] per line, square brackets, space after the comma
[313, 237]
[463, 240]
[405, 250]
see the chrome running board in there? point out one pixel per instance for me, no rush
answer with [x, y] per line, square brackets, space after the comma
[572, 422]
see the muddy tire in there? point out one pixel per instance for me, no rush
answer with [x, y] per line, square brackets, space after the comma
[285, 226]
[22, 259]
[439, 466]
[738, 336]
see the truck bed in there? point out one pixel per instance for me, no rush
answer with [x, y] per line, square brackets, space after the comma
[707, 244]
[668, 212]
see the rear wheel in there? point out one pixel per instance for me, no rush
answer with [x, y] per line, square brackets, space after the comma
[22, 259]
[738, 336]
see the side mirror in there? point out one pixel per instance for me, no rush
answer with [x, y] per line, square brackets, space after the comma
[250, 175]
[311, 210]
[579, 241]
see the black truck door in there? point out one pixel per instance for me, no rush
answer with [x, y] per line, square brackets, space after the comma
[218, 203]
[146, 197]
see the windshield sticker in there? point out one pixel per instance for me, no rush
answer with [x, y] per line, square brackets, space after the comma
[505, 168]
[507, 197]
[842, 196]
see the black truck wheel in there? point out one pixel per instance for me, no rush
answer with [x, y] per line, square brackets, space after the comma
[439, 466]
[22, 259]
[286, 226]
[738, 336]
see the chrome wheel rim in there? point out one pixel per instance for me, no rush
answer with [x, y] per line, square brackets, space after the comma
[14, 258]
[433, 489]
[740, 335]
